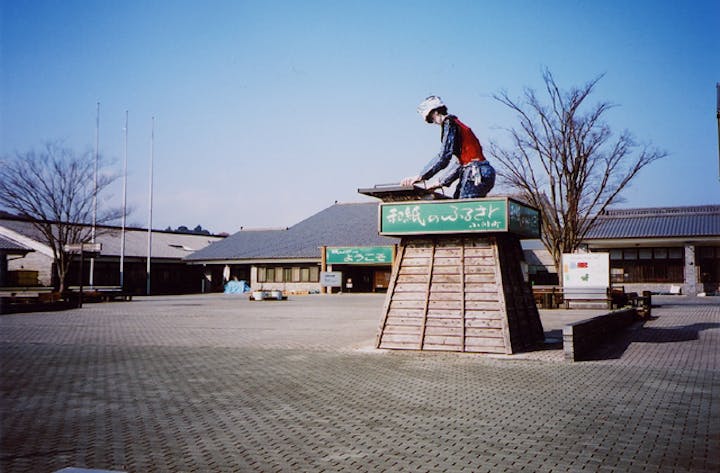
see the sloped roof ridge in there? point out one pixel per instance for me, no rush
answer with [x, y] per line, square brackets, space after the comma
[7, 243]
[662, 211]
[129, 228]
[327, 210]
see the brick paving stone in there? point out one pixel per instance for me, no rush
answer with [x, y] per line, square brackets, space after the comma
[220, 384]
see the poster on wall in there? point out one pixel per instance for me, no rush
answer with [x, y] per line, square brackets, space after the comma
[586, 270]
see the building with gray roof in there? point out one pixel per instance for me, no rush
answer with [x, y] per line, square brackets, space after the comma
[169, 272]
[674, 249]
[659, 249]
[291, 258]
[671, 224]
[10, 248]
[670, 249]
[353, 224]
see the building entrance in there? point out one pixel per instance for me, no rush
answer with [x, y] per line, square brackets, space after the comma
[364, 278]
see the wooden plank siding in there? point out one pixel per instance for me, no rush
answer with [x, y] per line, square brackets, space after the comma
[453, 294]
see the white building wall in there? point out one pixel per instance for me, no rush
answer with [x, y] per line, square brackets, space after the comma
[34, 261]
[287, 287]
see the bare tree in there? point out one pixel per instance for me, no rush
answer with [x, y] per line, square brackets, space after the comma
[54, 189]
[566, 161]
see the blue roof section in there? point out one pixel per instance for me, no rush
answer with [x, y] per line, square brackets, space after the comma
[669, 222]
[354, 224]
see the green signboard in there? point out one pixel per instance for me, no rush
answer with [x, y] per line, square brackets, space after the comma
[523, 220]
[488, 215]
[359, 255]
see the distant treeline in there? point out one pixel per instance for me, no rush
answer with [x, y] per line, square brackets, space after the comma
[199, 230]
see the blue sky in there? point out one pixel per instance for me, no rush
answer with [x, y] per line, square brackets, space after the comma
[269, 111]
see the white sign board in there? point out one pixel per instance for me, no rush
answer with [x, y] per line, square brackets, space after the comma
[331, 279]
[586, 270]
[84, 247]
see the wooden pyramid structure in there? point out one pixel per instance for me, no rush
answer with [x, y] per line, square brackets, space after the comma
[463, 293]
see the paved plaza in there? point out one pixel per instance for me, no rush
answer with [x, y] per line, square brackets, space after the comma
[217, 383]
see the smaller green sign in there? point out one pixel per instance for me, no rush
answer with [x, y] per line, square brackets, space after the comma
[359, 255]
[524, 221]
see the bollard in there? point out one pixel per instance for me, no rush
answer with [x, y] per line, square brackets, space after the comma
[547, 301]
[646, 304]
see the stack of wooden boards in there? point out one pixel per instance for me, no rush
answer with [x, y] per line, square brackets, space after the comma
[460, 293]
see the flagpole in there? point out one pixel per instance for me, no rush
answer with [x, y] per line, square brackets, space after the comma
[124, 204]
[150, 202]
[95, 189]
[717, 92]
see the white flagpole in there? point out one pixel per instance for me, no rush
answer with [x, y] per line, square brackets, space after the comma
[150, 202]
[124, 204]
[95, 189]
[717, 92]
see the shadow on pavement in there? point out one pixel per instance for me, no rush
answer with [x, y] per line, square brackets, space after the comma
[616, 346]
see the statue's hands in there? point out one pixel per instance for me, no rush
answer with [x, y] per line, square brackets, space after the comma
[408, 181]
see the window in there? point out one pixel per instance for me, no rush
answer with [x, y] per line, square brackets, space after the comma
[617, 275]
[293, 274]
[640, 265]
[707, 252]
[660, 253]
[708, 263]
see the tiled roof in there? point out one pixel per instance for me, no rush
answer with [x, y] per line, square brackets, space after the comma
[697, 221]
[354, 224]
[164, 244]
[10, 246]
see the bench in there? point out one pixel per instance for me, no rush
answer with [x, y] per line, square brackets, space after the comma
[23, 295]
[587, 294]
[548, 297]
[267, 296]
[103, 293]
[642, 303]
[25, 291]
[15, 300]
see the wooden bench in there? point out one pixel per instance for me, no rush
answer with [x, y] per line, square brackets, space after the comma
[25, 291]
[24, 294]
[642, 303]
[32, 299]
[103, 293]
[548, 297]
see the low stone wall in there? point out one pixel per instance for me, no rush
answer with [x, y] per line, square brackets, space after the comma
[580, 338]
